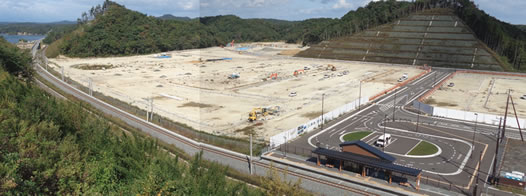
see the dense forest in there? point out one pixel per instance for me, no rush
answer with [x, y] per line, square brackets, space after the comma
[111, 30]
[505, 39]
[32, 28]
[54, 147]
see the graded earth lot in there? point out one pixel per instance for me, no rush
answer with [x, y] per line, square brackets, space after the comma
[470, 92]
[193, 86]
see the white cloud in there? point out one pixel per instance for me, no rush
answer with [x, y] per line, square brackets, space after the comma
[342, 4]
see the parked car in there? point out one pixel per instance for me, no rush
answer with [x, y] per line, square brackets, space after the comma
[523, 97]
[293, 94]
[451, 84]
[383, 140]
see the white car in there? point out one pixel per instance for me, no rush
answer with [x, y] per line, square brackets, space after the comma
[293, 94]
[383, 140]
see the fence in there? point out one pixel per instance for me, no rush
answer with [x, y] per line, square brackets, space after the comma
[282, 137]
[479, 117]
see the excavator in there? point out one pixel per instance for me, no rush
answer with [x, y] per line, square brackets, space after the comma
[298, 72]
[258, 112]
[331, 67]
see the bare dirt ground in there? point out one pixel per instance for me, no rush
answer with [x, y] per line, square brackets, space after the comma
[192, 87]
[472, 90]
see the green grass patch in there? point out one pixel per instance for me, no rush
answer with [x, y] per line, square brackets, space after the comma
[424, 148]
[356, 135]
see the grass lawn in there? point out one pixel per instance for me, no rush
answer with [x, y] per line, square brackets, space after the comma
[356, 135]
[424, 148]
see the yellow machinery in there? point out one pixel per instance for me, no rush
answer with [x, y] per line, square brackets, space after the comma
[331, 67]
[258, 112]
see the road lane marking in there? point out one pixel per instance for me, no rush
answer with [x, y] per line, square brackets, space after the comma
[413, 147]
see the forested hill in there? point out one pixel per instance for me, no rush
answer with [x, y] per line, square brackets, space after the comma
[509, 41]
[113, 30]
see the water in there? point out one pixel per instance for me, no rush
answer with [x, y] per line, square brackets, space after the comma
[14, 38]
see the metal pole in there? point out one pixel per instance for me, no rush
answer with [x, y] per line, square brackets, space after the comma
[285, 152]
[516, 117]
[383, 146]
[251, 155]
[418, 116]
[496, 154]
[473, 141]
[478, 173]
[360, 97]
[322, 100]
[394, 105]
[505, 116]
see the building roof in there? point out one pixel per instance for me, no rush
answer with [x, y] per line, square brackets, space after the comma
[370, 162]
[370, 149]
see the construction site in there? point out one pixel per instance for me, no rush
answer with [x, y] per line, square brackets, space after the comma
[484, 93]
[253, 88]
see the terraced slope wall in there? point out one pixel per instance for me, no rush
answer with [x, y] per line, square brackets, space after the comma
[435, 37]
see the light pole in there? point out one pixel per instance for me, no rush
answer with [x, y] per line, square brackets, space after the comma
[285, 151]
[322, 100]
[385, 139]
[473, 142]
[394, 105]
[418, 116]
[360, 96]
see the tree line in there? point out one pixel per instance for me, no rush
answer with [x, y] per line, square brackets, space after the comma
[112, 30]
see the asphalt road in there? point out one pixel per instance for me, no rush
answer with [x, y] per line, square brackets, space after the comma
[458, 160]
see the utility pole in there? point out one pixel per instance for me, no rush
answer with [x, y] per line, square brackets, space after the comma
[418, 116]
[394, 105]
[505, 116]
[360, 97]
[473, 141]
[516, 117]
[151, 109]
[322, 100]
[90, 87]
[285, 144]
[385, 141]
[250, 160]
[494, 175]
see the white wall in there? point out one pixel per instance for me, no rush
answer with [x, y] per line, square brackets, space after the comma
[288, 135]
[482, 118]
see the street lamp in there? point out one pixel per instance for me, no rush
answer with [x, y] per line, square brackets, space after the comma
[394, 105]
[285, 151]
[418, 116]
[360, 96]
[383, 146]
[473, 142]
[322, 100]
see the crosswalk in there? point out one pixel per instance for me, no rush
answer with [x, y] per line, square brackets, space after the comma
[386, 107]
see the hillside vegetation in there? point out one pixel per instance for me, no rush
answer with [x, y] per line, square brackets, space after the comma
[32, 28]
[113, 30]
[55, 147]
[505, 39]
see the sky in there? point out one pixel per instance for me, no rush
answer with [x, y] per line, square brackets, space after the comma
[511, 11]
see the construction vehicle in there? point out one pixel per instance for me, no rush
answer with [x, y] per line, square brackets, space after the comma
[273, 76]
[298, 72]
[261, 112]
[233, 76]
[331, 67]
